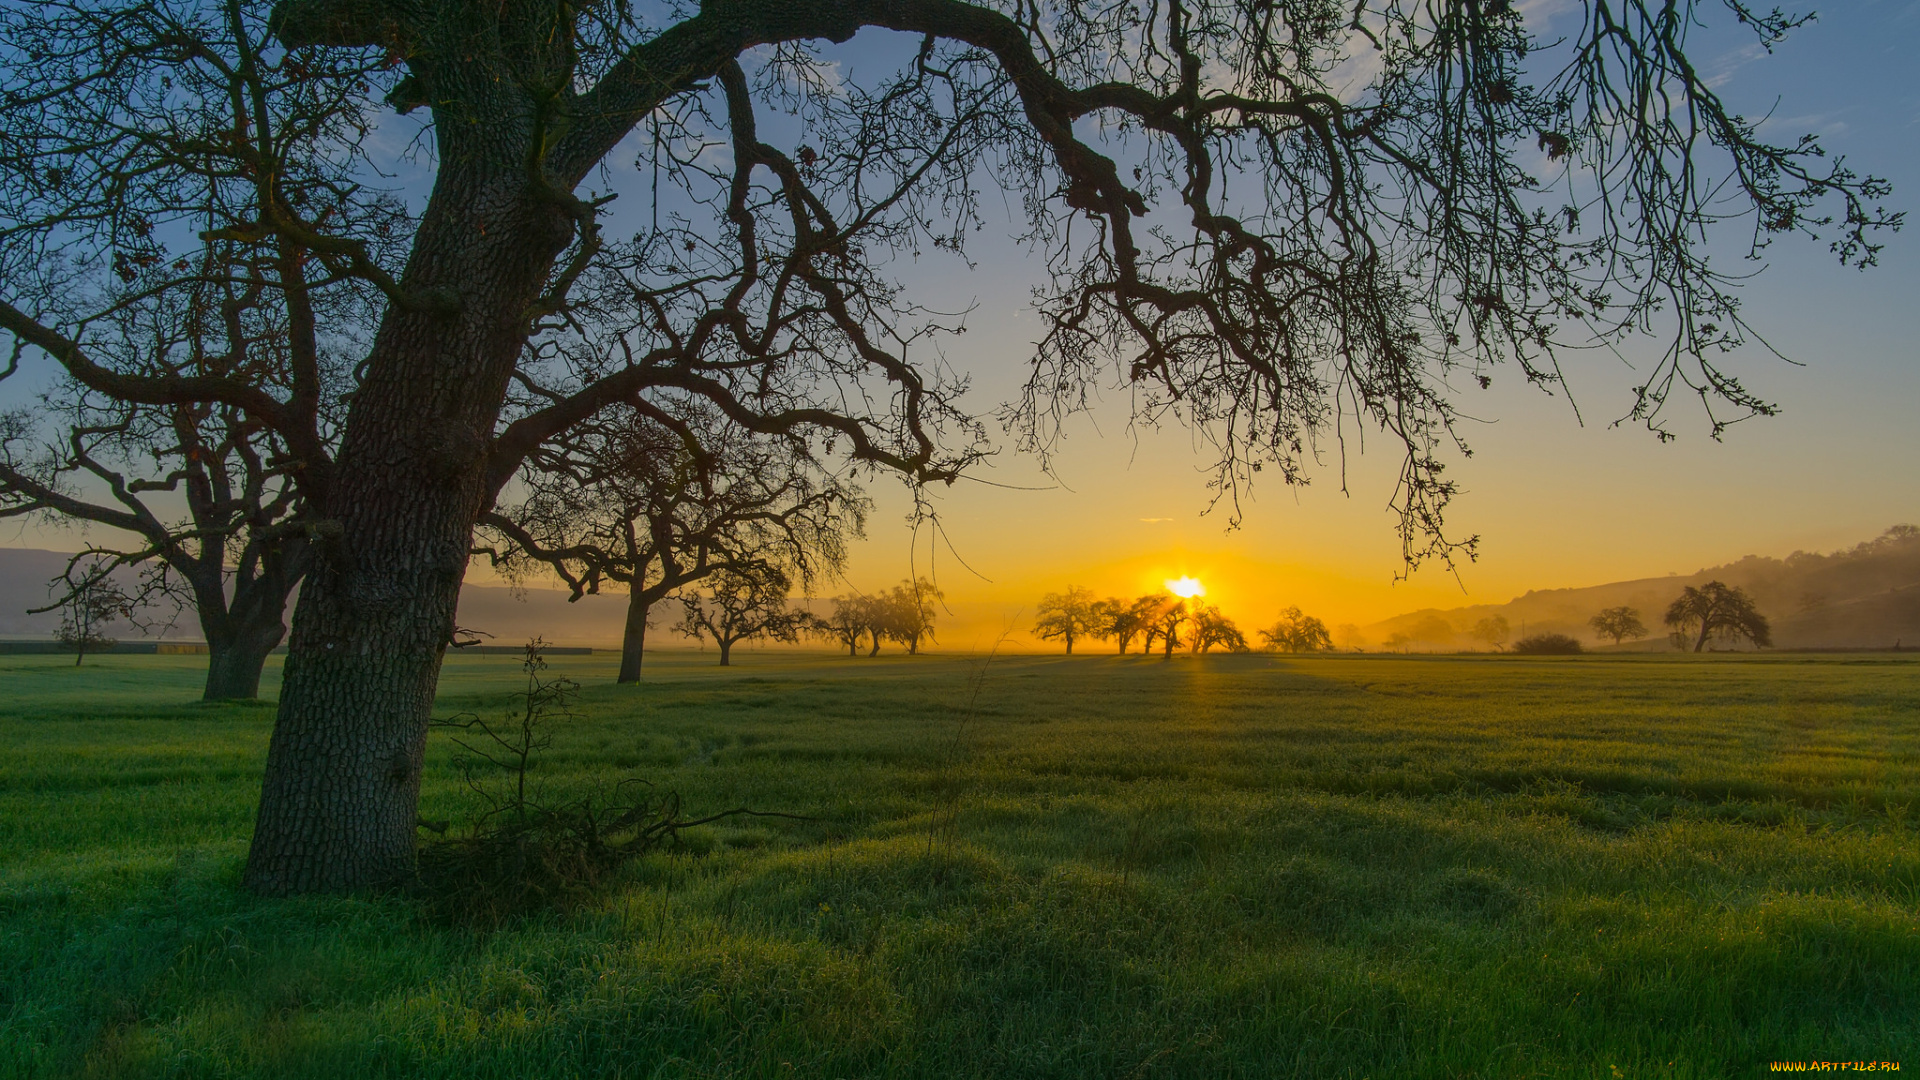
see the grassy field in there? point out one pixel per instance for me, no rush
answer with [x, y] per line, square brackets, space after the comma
[1634, 866]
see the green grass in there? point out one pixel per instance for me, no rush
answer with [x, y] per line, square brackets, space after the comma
[1226, 867]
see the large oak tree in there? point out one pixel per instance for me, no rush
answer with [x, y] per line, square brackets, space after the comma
[1272, 219]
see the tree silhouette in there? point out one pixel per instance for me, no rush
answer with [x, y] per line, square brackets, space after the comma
[1270, 222]
[657, 495]
[1618, 623]
[740, 605]
[90, 601]
[1161, 616]
[1717, 610]
[1128, 620]
[1297, 632]
[873, 619]
[908, 613]
[850, 620]
[1212, 627]
[1494, 630]
[1072, 615]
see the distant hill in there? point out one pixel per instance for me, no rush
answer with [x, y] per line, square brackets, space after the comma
[510, 615]
[514, 615]
[1866, 596]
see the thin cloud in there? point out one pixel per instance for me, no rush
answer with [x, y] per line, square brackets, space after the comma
[1155, 521]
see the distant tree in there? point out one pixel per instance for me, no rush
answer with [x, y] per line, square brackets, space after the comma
[1128, 620]
[847, 623]
[1547, 645]
[1432, 629]
[1399, 641]
[655, 495]
[1618, 623]
[1106, 614]
[1072, 615]
[1297, 632]
[741, 606]
[908, 612]
[1162, 616]
[1212, 627]
[90, 601]
[1348, 636]
[1494, 630]
[858, 619]
[1895, 536]
[1716, 610]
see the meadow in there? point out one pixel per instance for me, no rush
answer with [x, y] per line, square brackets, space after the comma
[1224, 866]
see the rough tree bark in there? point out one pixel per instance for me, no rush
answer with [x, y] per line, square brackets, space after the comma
[338, 804]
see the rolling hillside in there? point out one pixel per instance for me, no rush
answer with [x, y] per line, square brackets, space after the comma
[1866, 596]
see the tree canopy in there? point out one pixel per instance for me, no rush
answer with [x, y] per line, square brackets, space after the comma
[1072, 615]
[1618, 623]
[1717, 610]
[1296, 631]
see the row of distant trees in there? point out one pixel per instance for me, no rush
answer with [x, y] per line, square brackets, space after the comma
[1712, 612]
[737, 606]
[1167, 622]
[903, 614]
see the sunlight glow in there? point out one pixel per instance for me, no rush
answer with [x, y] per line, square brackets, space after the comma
[1186, 588]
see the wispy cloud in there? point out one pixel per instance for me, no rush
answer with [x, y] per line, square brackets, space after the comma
[1155, 521]
[1720, 70]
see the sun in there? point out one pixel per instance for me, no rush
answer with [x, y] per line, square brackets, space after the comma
[1186, 588]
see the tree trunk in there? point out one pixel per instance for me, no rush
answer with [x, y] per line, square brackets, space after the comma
[726, 651]
[875, 651]
[1701, 643]
[633, 640]
[339, 804]
[1069, 644]
[235, 662]
[241, 634]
